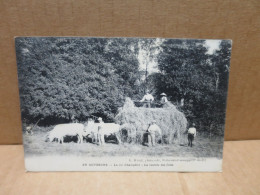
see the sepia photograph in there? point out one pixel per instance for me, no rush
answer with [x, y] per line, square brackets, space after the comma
[122, 104]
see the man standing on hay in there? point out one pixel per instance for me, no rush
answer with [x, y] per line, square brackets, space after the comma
[191, 134]
[147, 99]
[152, 130]
[164, 99]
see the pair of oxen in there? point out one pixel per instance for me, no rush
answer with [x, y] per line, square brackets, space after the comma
[81, 131]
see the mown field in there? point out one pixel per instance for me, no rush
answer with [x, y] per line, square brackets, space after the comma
[35, 145]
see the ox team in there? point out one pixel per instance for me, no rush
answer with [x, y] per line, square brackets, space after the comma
[98, 131]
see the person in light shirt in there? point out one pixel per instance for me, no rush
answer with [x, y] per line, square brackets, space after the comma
[100, 133]
[191, 134]
[147, 99]
[152, 130]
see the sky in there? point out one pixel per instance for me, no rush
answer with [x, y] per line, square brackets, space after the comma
[212, 45]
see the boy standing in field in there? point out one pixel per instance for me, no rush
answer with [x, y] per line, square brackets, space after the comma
[191, 134]
[100, 133]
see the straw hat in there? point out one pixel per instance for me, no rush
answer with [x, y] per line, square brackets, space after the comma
[163, 94]
[99, 119]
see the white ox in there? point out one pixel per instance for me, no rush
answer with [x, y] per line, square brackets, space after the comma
[59, 132]
[107, 129]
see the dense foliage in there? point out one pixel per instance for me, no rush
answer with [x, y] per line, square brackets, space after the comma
[200, 80]
[69, 79]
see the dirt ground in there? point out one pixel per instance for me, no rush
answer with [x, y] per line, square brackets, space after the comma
[35, 145]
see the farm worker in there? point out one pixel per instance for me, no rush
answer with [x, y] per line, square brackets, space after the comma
[147, 99]
[100, 133]
[29, 130]
[163, 99]
[191, 134]
[153, 128]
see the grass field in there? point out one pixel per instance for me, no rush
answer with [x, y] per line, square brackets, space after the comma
[35, 145]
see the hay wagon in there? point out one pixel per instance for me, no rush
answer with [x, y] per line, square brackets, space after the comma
[135, 121]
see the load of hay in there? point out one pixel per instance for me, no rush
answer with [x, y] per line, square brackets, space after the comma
[135, 121]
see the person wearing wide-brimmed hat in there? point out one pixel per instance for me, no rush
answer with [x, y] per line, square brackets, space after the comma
[147, 99]
[100, 133]
[191, 134]
[164, 99]
[152, 130]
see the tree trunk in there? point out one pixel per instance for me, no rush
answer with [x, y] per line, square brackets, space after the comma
[217, 80]
[182, 102]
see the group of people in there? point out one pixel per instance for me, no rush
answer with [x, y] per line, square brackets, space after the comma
[152, 131]
[148, 99]
[154, 128]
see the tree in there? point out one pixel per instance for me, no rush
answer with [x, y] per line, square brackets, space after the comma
[148, 50]
[188, 72]
[69, 79]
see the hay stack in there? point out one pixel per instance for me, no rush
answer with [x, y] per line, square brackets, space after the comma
[135, 120]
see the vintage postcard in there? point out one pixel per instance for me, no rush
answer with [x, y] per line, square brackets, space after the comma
[123, 104]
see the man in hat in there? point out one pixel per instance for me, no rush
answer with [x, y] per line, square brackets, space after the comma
[100, 133]
[147, 99]
[152, 130]
[191, 134]
[164, 99]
